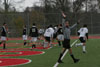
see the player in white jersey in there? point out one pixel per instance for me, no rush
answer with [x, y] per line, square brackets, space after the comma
[48, 36]
[83, 36]
[55, 31]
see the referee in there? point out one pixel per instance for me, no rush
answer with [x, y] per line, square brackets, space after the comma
[66, 42]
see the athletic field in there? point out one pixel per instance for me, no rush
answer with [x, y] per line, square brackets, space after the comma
[17, 55]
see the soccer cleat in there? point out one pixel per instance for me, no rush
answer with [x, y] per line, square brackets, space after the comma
[84, 51]
[4, 46]
[59, 61]
[76, 60]
[0, 43]
[25, 43]
[33, 46]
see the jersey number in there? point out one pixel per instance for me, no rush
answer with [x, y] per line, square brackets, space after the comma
[48, 30]
[33, 30]
[61, 30]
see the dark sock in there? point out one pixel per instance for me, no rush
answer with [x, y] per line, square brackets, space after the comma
[0, 43]
[59, 43]
[24, 43]
[61, 54]
[4, 46]
[34, 46]
[72, 56]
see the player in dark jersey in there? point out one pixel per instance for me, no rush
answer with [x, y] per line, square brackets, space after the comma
[34, 35]
[25, 35]
[60, 36]
[4, 35]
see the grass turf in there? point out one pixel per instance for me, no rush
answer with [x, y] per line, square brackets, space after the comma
[91, 58]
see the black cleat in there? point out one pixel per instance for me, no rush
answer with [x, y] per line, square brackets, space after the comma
[33, 46]
[76, 60]
[0, 43]
[25, 43]
[59, 61]
[84, 52]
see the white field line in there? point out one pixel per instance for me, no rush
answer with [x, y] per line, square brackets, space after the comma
[65, 53]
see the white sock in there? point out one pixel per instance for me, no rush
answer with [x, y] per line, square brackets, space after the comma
[80, 44]
[45, 44]
[84, 48]
[50, 44]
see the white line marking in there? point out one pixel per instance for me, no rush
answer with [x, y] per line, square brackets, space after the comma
[22, 63]
[65, 53]
[0, 61]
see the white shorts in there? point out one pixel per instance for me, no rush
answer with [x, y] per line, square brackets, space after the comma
[24, 37]
[60, 37]
[34, 39]
[3, 38]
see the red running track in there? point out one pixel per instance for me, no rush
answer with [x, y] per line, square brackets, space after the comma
[20, 53]
[13, 61]
[16, 61]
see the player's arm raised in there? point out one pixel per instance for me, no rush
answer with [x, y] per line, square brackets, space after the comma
[63, 14]
[75, 24]
[63, 20]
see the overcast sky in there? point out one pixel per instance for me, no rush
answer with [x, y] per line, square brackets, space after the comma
[27, 3]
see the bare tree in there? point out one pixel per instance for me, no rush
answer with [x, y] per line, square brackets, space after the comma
[7, 5]
[58, 4]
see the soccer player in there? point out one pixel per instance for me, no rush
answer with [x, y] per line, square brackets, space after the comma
[55, 31]
[60, 36]
[4, 35]
[83, 36]
[66, 42]
[41, 32]
[48, 35]
[34, 35]
[25, 35]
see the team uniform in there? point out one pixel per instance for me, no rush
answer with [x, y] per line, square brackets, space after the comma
[55, 32]
[24, 34]
[34, 33]
[60, 35]
[3, 34]
[82, 34]
[48, 34]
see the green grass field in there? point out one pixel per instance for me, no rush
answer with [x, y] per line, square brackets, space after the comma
[49, 58]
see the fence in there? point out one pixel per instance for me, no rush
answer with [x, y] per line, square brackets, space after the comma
[15, 22]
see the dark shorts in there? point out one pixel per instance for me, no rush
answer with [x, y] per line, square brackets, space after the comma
[47, 39]
[55, 36]
[66, 43]
[82, 39]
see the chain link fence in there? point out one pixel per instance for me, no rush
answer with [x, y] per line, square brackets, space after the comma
[16, 21]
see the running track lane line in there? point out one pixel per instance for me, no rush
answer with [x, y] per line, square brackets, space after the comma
[65, 53]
